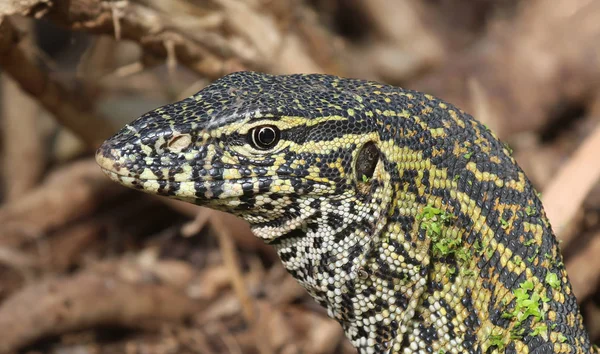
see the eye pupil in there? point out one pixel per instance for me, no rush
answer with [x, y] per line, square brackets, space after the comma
[264, 137]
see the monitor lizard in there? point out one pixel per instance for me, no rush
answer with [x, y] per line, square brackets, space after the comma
[401, 214]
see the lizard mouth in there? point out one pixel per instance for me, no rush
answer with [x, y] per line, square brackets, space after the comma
[119, 177]
[107, 157]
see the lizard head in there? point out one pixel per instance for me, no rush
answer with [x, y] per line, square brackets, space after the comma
[276, 150]
[292, 155]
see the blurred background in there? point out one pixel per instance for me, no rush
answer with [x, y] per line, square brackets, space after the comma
[87, 266]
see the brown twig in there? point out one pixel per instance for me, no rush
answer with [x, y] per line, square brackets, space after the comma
[231, 260]
[68, 194]
[150, 28]
[401, 46]
[74, 113]
[243, 37]
[566, 193]
[16, 259]
[583, 269]
[240, 230]
[12, 7]
[23, 141]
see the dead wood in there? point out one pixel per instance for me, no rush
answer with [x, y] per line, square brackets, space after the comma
[526, 68]
[73, 112]
[16, 259]
[23, 141]
[42, 257]
[593, 320]
[231, 261]
[564, 196]
[583, 269]
[89, 298]
[400, 45]
[68, 194]
[12, 7]
[298, 329]
[239, 229]
[255, 39]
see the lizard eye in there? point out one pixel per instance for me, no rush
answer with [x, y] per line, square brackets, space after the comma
[263, 137]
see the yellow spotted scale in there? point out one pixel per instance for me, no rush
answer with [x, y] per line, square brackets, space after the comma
[401, 214]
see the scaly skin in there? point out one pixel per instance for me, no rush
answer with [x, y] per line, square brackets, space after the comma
[402, 215]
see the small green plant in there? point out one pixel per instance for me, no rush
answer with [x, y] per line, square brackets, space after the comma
[498, 341]
[539, 329]
[536, 252]
[528, 304]
[432, 221]
[529, 211]
[504, 223]
[552, 280]
[468, 273]
[463, 255]
[477, 246]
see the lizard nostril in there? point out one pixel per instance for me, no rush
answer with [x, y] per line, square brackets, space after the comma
[106, 151]
[108, 157]
[179, 142]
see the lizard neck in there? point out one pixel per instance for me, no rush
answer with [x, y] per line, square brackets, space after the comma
[334, 254]
[435, 274]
